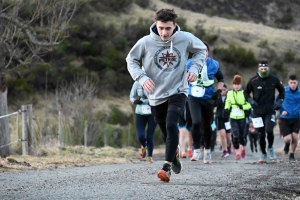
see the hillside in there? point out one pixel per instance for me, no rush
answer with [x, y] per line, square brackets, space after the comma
[248, 35]
[279, 14]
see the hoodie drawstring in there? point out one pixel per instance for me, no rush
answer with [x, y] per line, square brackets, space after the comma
[171, 48]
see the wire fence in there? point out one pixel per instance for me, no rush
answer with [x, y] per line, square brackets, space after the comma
[17, 130]
[27, 130]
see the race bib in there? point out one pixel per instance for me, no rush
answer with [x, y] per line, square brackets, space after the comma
[197, 91]
[227, 125]
[146, 109]
[237, 112]
[257, 122]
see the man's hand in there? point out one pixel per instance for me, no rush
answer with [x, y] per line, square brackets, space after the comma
[149, 86]
[284, 113]
[277, 105]
[253, 103]
[216, 94]
[191, 77]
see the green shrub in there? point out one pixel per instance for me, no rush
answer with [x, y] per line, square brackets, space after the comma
[287, 18]
[237, 56]
[263, 44]
[289, 56]
[143, 3]
[279, 70]
[182, 23]
[117, 116]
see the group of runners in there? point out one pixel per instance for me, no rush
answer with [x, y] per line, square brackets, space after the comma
[174, 89]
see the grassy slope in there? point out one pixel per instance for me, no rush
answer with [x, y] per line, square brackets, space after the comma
[245, 34]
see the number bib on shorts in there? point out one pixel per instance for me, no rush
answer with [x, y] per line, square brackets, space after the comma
[227, 125]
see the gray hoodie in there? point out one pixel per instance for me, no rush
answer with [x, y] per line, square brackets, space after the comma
[165, 62]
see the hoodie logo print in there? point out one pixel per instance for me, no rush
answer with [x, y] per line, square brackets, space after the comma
[167, 61]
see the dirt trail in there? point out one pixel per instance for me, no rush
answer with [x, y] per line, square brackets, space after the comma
[225, 178]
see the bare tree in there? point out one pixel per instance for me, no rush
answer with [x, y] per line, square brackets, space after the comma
[28, 30]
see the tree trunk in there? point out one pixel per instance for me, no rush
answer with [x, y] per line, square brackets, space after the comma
[4, 124]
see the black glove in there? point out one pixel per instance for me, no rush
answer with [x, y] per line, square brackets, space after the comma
[277, 105]
[227, 112]
[240, 106]
[253, 103]
[216, 94]
[137, 102]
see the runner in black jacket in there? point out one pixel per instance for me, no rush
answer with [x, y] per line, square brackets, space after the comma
[262, 86]
[222, 117]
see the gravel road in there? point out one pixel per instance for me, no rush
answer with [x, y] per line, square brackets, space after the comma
[225, 178]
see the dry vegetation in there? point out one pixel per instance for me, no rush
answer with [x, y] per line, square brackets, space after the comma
[245, 34]
[77, 156]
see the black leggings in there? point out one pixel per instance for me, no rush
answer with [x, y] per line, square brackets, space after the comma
[269, 122]
[167, 117]
[202, 116]
[253, 138]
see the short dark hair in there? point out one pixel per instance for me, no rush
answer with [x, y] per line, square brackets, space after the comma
[293, 77]
[166, 15]
[207, 46]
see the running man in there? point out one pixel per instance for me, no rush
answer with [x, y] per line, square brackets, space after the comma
[290, 116]
[164, 53]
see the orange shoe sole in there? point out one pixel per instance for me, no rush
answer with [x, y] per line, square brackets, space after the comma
[162, 175]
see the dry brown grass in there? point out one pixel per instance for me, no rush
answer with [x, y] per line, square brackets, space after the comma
[77, 156]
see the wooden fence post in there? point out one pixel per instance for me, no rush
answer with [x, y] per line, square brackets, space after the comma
[59, 134]
[30, 130]
[105, 138]
[85, 133]
[24, 130]
[128, 135]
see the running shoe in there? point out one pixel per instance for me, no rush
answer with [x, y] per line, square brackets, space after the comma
[183, 155]
[165, 173]
[286, 148]
[243, 152]
[190, 152]
[292, 157]
[143, 152]
[263, 158]
[207, 156]
[177, 165]
[237, 157]
[229, 150]
[196, 155]
[272, 154]
[149, 160]
[225, 154]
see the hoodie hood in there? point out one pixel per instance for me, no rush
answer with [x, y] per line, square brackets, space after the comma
[155, 36]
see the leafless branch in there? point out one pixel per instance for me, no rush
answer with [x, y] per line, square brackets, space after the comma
[26, 39]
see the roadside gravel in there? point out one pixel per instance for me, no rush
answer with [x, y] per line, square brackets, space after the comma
[223, 179]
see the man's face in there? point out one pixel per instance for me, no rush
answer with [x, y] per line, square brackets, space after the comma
[224, 91]
[293, 84]
[165, 29]
[263, 68]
